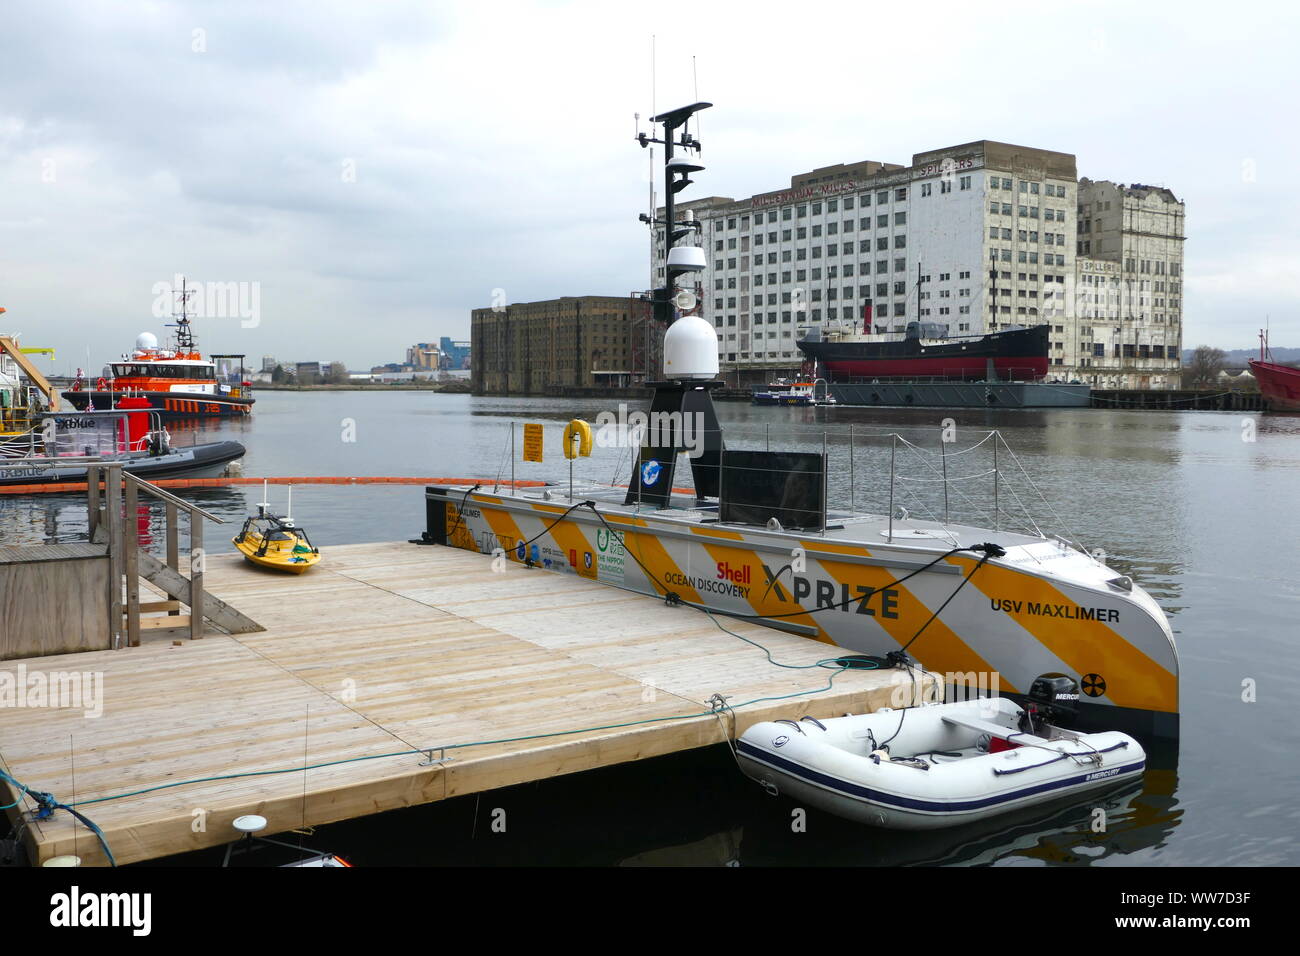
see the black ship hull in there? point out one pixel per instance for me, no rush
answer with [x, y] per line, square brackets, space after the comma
[1017, 354]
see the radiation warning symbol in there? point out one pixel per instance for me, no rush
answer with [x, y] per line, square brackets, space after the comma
[1094, 685]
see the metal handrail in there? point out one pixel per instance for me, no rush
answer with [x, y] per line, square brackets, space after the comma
[124, 545]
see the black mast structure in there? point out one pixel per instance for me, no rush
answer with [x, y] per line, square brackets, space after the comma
[184, 337]
[684, 399]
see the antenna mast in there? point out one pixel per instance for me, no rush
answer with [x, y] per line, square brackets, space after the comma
[184, 337]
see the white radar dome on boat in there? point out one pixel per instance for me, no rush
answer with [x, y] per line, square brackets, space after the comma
[146, 340]
[686, 258]
[691, 349]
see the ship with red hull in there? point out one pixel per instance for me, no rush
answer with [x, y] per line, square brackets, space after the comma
[1280, 384]
[926, 351]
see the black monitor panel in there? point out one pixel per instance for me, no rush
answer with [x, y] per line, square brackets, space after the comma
[760, 485]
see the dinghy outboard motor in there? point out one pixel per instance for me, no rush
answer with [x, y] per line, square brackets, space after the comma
[1052, 699]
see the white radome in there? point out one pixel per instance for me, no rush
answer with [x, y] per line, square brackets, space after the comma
[691, 349]
[146, 340]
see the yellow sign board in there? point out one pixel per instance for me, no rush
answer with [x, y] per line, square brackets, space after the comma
[532, 443]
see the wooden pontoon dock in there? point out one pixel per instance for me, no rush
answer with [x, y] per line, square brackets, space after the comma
[389, 652]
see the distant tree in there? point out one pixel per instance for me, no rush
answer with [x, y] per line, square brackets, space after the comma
[282, 376]
[336, 374]
[1203, 368]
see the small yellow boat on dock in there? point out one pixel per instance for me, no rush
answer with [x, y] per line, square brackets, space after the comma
[270, 541]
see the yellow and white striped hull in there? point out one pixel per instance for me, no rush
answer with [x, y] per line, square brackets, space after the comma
[1042, 608]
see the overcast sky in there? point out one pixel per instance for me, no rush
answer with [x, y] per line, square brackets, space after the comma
[372, 171]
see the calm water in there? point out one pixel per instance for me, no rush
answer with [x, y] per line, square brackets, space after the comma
[1201, 508]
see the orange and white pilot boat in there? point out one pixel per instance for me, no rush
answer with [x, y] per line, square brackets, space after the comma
[177, 380]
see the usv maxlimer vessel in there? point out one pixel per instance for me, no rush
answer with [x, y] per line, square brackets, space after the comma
[755, 538]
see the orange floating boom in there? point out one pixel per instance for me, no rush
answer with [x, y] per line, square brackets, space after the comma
[71, 486]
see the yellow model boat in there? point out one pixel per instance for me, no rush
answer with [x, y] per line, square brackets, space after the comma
[270, 541]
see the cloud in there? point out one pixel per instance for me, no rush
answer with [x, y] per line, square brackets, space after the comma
[379, 169]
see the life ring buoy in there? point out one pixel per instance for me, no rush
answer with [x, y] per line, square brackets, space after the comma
[582, 431]
[100, 384]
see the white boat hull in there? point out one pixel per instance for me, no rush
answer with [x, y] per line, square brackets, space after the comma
[828, 765]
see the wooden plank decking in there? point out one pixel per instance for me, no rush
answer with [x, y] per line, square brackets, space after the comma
[381, 650]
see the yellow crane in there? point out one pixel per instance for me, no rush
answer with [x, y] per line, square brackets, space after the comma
[19, 355]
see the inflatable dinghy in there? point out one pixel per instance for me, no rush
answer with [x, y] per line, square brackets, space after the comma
[937, 765]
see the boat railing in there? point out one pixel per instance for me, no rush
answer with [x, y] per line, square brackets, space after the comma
[113, 517]
[914, 480]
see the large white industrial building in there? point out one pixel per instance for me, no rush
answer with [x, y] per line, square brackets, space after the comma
[978, 237]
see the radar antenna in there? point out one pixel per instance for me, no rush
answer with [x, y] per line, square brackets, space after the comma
[184, 337]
